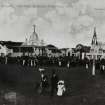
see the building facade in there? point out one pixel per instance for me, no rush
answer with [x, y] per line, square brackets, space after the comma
[4, 50]
[31, 47]
[97, 49]
[35, 47]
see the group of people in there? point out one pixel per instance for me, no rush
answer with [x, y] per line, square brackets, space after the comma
[57, 86]
[62, 61]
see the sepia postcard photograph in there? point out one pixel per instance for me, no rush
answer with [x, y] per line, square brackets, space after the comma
[52, 52]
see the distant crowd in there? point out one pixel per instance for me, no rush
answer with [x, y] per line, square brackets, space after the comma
[37, 61]
[43, 61]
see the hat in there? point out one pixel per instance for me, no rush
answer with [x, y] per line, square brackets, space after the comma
[41, 69]
[60, 82]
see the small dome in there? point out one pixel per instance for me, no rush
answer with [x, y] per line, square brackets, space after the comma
[33, 37]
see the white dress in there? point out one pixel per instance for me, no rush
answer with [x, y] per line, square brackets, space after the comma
[61, 89]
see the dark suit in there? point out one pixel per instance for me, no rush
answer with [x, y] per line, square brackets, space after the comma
[54, 81]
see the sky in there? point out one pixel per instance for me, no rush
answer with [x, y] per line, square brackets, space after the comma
[64, 23]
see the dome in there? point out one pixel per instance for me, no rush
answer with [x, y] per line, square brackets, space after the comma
[34, 40]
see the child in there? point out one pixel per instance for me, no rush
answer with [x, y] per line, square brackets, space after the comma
[61, 88]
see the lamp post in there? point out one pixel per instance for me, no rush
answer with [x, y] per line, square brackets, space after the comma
[93, 66]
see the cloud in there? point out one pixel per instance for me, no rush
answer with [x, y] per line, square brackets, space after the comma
[31, 2]
[83, 22]
[6, 14]
[96, 3]
[68, 23]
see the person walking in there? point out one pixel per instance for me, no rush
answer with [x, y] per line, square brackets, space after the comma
[54, 81]
[44, 83]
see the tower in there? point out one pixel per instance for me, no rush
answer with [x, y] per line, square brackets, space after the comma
[94, 39]
[94, 46]
[26, 42]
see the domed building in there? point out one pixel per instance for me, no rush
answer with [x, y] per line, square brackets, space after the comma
[33, 40]
[31, 47]
[34, 46]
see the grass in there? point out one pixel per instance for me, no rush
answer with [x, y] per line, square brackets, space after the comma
[81, 87]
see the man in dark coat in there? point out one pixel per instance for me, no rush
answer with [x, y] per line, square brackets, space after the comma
[54, 81]
[44, 83]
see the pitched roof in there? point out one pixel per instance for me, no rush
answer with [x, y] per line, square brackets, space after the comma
[10, 44]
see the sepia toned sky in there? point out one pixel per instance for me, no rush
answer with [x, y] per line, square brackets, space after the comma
[64, 23]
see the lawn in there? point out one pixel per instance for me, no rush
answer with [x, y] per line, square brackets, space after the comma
[81, 87]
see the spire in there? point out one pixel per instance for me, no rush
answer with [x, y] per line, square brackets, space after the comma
[26, 41]
[34, 26]
[94, 39]
[95, 35]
